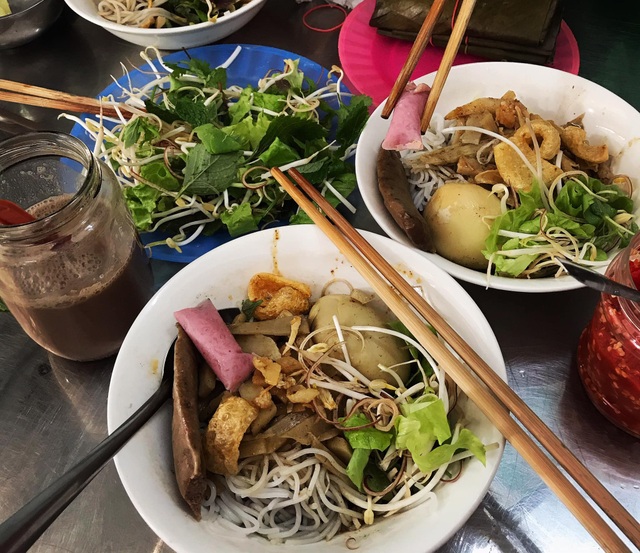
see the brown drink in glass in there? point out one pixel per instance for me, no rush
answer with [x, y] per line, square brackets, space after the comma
[77, 276]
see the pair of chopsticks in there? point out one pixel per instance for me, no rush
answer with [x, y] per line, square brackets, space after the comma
[20, 93]
[419, 45]
[477, 380]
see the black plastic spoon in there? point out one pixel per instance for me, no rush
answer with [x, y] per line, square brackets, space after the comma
[599, 282]
[22, 529]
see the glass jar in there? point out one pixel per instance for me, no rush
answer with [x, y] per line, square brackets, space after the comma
[77, 275]
[609, 348]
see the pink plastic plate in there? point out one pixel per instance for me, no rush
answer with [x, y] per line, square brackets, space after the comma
[372, 62]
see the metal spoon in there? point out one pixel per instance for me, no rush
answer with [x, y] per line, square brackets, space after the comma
[599, 282]
[21, 530]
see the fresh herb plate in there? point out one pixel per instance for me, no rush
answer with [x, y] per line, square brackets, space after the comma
[252, 63]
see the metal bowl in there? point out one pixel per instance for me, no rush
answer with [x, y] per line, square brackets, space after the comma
[28, 20]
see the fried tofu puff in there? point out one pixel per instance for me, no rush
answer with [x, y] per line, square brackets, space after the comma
[224, 433]
[277, 294]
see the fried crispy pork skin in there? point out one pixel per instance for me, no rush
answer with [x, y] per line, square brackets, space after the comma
[185, 431]
[394, 188]
[217, 345]
[404, 132]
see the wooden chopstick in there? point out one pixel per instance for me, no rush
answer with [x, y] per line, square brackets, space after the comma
[468, 383]
[16, 92]
[450, 52]
[418, 48]
[585, 479]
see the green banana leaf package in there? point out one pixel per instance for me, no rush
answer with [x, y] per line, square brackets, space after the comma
[510, 30]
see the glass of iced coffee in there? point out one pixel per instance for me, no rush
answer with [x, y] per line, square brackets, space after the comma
[76, 275]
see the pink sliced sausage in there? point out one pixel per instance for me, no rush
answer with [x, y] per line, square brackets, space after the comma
[404, 132]
[217, 345]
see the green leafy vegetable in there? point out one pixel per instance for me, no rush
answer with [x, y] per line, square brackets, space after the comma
[585, 208]
[202, 152]
[138, 129]
[249, 307]
[216, 141]
[356, 466]
[3, 306]
[208, 173]
[423, 424]
[365, 438]
[363, 441]
[239, 220]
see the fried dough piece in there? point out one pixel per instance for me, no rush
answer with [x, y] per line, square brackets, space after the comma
[575, 139]
[513, 169]
[547, 136]
[277, 294]
[444, 156]
[185, 427]
[507, 110]
[224, 433]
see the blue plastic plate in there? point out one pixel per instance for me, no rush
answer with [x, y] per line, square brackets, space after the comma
[250, 65]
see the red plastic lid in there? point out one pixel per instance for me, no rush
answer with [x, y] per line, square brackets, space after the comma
[372, 62]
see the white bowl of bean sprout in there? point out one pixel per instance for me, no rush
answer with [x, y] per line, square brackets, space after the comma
[302, 253]
[151, 23]
[563, 100]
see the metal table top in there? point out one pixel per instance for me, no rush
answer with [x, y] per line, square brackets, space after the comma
[52, 412]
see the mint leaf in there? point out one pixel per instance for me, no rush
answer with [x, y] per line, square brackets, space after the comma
[195, 113]
[351, 120]
[208, 173]
[166, 115]
[138, 130]
[212, 77]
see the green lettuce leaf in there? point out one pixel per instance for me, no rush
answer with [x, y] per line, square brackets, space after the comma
[278, 154]
[157, 173]
[141, 200]
[248, 132]
[363, 441]
[440, 455]
[366, 438]
[356, 466]
[239, 220]
[422, 425]
[289, 128]
[216, 141]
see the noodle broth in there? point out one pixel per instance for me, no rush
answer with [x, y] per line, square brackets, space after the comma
[145, 466]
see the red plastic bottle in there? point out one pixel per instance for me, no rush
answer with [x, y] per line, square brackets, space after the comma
[609, 348]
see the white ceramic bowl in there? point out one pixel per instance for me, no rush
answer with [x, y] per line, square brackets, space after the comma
[174, 38]
[303, 253]
[551, 93]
